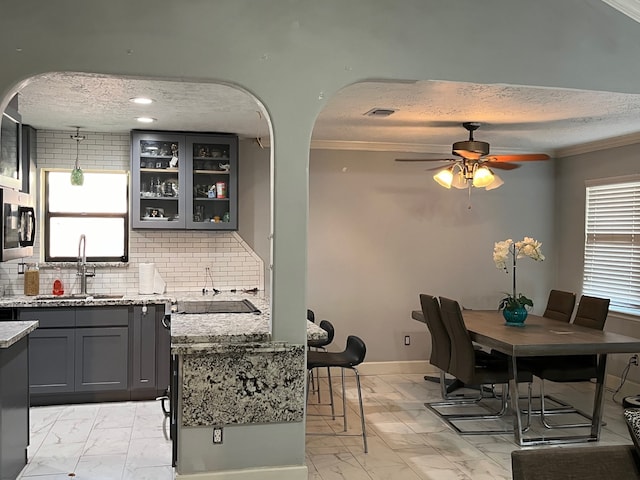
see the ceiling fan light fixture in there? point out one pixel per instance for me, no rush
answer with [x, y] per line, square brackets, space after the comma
[444, 177]
[497, 182]
[459, 181]
[482, 177]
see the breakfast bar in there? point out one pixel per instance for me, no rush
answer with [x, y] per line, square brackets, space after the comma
[228, 374]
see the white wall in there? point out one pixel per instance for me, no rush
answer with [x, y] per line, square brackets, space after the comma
[382, 232]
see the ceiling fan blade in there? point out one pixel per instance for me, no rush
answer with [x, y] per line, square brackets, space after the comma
[425, 159]
[525, 157]
[501, 166]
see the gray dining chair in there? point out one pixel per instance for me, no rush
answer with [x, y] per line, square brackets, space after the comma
[494, 369]
[441, 351]
[591, 313]
[560, 305]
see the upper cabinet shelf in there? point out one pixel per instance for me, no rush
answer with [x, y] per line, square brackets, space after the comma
[175, 177]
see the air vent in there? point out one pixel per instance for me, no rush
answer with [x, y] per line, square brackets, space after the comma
[380, 112]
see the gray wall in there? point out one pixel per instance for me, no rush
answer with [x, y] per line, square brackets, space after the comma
[571, 174]
[381, 233]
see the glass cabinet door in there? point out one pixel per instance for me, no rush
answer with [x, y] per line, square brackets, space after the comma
[212, 182]
[158, 188]
[10, 149]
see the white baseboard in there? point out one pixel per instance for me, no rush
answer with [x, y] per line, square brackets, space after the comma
[264, 473]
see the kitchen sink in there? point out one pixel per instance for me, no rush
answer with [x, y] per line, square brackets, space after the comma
[80, 296]
[217, 306]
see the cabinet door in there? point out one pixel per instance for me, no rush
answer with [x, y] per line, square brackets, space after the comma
[51, 360]
[157, 180]
[101, 359]
[212, 182]
[143, 356]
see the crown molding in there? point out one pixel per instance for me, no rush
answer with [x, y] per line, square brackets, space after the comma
[631, 8]
[424, 148]
[607, 143]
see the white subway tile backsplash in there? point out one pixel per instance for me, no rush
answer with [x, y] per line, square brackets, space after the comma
[180, 256]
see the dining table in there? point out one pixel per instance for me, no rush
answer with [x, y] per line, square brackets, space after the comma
[541, 336]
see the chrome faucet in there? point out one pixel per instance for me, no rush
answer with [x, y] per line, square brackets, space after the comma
[82, 264]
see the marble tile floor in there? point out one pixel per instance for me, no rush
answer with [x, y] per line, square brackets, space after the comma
[126, 441]
[99, 441]
[409, 442]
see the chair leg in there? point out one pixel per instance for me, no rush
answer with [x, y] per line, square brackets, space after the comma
[544, 412]
[362, 422]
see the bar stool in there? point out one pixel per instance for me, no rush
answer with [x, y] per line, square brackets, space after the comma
[327, 326]
[352, 356]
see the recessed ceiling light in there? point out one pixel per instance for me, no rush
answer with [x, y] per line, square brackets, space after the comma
[141, 100]
[145, 119]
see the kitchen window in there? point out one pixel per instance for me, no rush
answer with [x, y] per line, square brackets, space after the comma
[612, 243]
[99, 209]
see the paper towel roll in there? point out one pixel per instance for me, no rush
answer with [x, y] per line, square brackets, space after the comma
[158, 282]
[146, 275]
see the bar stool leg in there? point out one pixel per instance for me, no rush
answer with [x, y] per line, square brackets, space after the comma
[344, 401]
[364, 431]
[333, 408]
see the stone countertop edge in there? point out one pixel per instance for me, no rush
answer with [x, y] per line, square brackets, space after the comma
[26, 301]
[12, 332]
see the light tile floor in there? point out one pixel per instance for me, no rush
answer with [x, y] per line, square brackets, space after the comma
[127, 441]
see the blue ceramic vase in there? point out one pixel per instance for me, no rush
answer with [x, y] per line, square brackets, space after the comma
[515, 317]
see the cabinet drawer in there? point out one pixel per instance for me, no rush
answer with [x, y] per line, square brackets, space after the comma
[49, 317]
[102, 317]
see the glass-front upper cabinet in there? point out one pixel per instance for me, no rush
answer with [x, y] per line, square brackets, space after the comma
[212, 184]
[10, 149]
[157, 167]
[184, 181]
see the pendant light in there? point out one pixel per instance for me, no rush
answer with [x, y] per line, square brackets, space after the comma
[77, 175]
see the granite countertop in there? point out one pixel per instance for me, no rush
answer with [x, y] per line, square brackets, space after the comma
[26, 301]
[11, 332]
[200, 331]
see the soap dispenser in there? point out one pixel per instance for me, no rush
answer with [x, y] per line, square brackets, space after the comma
[58, 286]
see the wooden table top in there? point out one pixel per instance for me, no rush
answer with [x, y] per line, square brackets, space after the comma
[543, 336]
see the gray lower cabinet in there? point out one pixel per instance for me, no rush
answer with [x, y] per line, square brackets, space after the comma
[101, 359]
[52, 360]
[93, 353]
[14, 408]
[143, 351]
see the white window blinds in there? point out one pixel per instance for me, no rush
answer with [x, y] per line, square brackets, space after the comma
[612, 245]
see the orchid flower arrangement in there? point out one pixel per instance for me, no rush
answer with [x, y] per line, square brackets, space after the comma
[527, 247]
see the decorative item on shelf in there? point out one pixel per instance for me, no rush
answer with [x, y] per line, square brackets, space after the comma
[226, 217]
[173, 163]
[514, 305]
[221, 190]
[225, 167]
[77, 176]
[212, 192]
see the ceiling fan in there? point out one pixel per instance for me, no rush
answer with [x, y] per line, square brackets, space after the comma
[473, 168]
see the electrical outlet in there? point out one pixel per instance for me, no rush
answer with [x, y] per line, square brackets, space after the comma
[407, 340]
[217, 435]
[634, 360]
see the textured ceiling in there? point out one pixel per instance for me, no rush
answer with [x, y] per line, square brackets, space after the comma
[428, 114]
